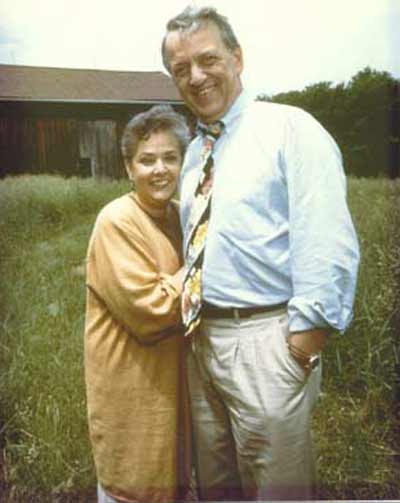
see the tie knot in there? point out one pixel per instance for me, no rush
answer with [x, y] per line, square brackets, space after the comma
[213, 130]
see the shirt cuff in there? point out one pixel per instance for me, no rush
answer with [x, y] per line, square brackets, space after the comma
[308, 315]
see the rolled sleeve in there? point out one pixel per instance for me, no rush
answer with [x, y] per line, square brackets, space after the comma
[324, 251]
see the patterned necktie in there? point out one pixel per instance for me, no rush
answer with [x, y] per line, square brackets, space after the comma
[198, 224]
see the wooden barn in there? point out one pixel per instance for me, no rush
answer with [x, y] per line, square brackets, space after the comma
[69, 121]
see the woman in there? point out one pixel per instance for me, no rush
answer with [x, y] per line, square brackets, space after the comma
[137, 402]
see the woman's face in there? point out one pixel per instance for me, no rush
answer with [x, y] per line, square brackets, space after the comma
[155, 168]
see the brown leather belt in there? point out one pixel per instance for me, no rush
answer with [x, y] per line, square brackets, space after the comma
[211, 311]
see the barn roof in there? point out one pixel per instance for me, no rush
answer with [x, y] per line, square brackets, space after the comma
[77, 85]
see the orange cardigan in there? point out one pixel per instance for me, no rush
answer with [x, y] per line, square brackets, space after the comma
[136, 388]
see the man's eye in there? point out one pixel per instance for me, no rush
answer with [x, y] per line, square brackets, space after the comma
[180, 72]
[209, 60]
[171, 158]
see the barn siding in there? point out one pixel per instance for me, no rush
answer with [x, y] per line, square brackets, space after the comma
[60, 146]
[99, 146]
[57, 146]
[18, 140]
[107, 160]
[71, 139]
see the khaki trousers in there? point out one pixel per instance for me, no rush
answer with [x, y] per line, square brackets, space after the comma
[251, 406]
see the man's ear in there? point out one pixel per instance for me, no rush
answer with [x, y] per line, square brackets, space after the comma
[238, 55]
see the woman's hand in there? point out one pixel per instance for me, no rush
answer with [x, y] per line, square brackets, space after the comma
[179, 276]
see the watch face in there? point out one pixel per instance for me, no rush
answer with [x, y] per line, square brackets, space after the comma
[314, 362]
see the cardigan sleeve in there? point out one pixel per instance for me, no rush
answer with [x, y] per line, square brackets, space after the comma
[123, 273]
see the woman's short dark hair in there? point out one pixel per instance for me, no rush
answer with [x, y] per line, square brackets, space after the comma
[157, 118]
[192, 18]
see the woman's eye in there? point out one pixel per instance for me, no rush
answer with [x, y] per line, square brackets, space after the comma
[147, 161]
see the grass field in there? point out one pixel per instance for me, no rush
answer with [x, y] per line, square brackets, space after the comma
[45, 223]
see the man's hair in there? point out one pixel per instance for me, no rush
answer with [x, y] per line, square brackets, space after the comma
[192, 18]
[158, 118]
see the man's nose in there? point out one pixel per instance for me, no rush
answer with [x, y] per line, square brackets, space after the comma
[197, 74]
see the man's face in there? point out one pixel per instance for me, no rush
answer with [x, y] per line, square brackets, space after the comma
[205, 71]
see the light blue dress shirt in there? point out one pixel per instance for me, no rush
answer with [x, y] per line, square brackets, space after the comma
[280, 228]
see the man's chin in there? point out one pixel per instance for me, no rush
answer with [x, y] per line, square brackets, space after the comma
[208, 118]
[207, 114]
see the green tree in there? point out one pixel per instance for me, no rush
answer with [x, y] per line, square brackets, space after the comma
[362, 116]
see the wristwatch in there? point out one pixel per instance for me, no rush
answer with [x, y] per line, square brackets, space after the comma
[308, 361]
[314, 361]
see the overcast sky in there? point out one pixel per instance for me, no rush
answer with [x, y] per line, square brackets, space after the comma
[287, 44]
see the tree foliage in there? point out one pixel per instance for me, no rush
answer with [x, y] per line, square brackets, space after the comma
[362, 116]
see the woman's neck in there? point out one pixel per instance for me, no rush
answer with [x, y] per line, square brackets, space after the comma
[158, 212]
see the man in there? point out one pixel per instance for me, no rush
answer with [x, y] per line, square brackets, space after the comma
[278, 270]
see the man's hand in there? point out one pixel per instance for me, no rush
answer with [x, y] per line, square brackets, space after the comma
[303, 345]
[310, 341]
